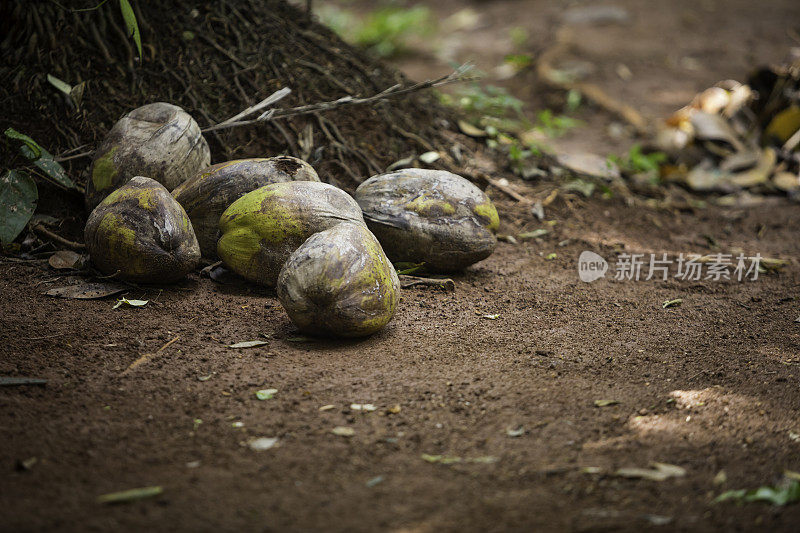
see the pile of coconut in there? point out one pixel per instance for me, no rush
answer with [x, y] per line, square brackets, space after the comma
[273, 221]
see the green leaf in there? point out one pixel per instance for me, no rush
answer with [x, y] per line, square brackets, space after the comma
[61, 85]
[782, 495]
[266, 394]
[42, 159]
[35, 149]
[131, 24]
[130, 495]
[672, 303]
[131, 303]
[18, 196]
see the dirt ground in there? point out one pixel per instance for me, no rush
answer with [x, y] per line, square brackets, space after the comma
[710, 386]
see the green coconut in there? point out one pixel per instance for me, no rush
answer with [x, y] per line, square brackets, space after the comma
[140, 233]
[261, 229]
[339, 282]
[209, 192]
[160, 140]
[429, 216]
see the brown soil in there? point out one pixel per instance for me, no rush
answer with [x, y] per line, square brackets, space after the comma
[710, 386]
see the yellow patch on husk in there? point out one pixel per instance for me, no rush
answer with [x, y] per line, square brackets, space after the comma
[104, 170]
[489, 212]
[120, 241]
[426, 205]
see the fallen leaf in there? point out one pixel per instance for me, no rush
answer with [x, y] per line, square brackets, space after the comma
[551, 256]
[658, 520]
[429, 157]
[327, 407]
[66, 259]
[605, 403]
[518, 432]
[401, 163]
[16, 382]
[18, 197]
[131, 303]
[468, 129]
[263, 443]
[247, 344]
[589, 165]
[491, 317]
[300, 338]
[266, 394]
[130, 495]
[586, 188]
[343, 431]
[394, 409]
[87, 291]
[374, 481]
[541, 232]
[672, 303]
[778, 496]
[659, 472]
[449, 460]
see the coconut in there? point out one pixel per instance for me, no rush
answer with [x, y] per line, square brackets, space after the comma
[158, 140]
[261, 229]
[209, 192]
[429, 216]
[140, 232]
[339, 282]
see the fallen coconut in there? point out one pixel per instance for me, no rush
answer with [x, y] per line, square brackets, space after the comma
[209, 192]
[429, 216]
[261, 229]
[339, 282]
[160, 140]
[140, 233]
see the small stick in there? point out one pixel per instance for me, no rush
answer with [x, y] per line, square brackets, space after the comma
[442, 283]
[395, 90]
[504, 188]
[269, 100]
[38, 228]
[148, 356]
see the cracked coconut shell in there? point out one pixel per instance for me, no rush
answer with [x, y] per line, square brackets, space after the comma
[140, 231]
[160, 140]
[429, 216]
[340, 283]
[261, 229]
[209, 192]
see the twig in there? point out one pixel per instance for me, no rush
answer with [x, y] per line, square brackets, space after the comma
[456, 76]
[504, 188]
[442, 283]
[147, 356]
[38, 228]
[792, 142]
[269, 100]
[59, 159]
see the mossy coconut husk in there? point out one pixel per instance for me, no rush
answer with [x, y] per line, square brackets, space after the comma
[429, 216]
[339, 282]
[261, 229]
[207, 194]
[159, 140]
[141, 234]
